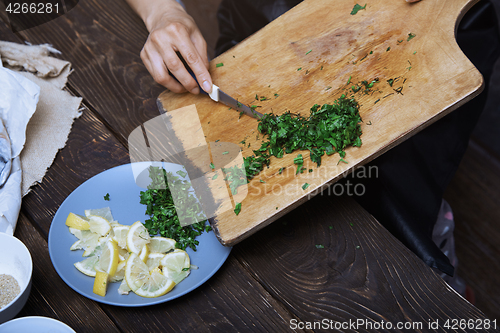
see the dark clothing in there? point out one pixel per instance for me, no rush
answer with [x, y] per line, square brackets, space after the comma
[407, 194]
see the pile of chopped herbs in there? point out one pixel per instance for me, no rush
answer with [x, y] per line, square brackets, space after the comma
[160, 207]
[329, 129]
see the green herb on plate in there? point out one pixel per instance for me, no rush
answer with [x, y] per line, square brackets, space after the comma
[163, 216]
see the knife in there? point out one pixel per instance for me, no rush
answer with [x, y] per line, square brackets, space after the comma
[218, 95]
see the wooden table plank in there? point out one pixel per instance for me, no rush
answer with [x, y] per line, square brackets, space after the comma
[50, 296]
[362, 272]
[91, 148]
[102, 40]
[275, 276]
[231, 301]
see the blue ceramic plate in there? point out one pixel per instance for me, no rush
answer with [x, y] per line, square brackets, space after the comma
[124, 199]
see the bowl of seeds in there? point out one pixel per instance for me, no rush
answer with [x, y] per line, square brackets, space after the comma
[16, 268]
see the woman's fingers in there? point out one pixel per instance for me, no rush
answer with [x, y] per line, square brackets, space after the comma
[163, 48]
[201, 69]
[155, 65]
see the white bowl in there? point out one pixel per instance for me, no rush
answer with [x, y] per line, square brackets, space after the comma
[15, 260]
[35, 324]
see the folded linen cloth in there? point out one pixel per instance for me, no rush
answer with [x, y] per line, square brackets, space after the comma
[49, 127]
[18, 99]
[36, 59]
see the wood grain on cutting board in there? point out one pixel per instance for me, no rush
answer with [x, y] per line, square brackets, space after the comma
[306, 57]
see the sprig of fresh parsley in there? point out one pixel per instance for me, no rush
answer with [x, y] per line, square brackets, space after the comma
[159, 201]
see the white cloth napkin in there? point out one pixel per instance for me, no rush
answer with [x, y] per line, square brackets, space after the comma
[18, 100]
[36, 83]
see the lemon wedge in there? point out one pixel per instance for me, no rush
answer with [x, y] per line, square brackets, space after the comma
[137, 237]
[100, 283]
[89, 242]
[87, 265]
[102, 212]
[77, 222]
[120, 272]
[99, 225]
[120, 234]
[78, 245]
[144, 283]
[176, 261]
[144, 253]
[124, 289]
[160, 244]
[77, 232]
[108, 261]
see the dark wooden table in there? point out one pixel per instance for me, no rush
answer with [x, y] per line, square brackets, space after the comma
[276, 280]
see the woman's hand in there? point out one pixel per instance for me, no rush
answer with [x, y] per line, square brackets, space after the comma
[172, 32]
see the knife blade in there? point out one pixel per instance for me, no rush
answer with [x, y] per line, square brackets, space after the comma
[218, 95]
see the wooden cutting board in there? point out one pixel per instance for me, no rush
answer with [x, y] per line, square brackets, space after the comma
[307, 56]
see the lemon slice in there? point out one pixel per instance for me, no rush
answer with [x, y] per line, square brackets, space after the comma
[120, 272]
[154, 260]
[157, 285]
[137, 237]
[87, 266]
[175, 261]
[144, 253]
[77, 222]
[136, 271]
[100, 283]
[99, 225]
[120, 235]
[161, 244]
[108, 261]
[102, 212]
[142, 282]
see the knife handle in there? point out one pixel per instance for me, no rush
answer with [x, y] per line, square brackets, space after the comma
[194, 77]
[215, 90]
